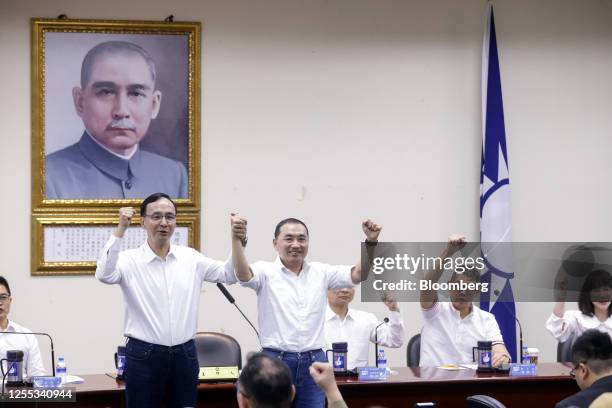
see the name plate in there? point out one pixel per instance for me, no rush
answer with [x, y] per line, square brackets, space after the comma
[523, 370]
[46, 382]
[218, 373]
[373, 373]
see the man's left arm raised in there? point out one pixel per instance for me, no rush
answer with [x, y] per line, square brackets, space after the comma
[371, 231]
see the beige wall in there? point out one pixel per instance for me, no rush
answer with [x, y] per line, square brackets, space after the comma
[333, 111]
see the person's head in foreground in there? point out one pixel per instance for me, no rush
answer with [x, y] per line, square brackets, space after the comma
[158, 218]
[592, 358]
[5, 302]
[265, 382]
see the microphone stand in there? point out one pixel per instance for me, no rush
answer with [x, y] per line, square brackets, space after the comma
[39, 334]
[520, 341]
[385, 320]
[231, 299]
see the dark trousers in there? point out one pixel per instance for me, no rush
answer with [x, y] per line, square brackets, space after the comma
[157, 374]
[307, 392]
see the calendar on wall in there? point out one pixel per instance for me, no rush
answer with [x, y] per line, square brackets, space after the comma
[70, 245]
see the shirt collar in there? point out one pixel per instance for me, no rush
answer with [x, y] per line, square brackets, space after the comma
[330, 314]
[457, 313]
[110, 163]
[121, 156]
[279, 263]
[11, 326]
[148, 255]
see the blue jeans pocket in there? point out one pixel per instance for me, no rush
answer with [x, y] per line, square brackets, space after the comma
[138, 351]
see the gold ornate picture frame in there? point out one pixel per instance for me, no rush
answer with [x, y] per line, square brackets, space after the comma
[115, 118]
[82, 131]
[69, 245]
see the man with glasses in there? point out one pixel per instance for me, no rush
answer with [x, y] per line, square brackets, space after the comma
[27, 343]
[592, 359]
[359, 328]
[161, 285]
[451, 329]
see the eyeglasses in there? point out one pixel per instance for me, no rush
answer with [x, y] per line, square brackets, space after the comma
[4, 298]
[573, 373]
[157, 217]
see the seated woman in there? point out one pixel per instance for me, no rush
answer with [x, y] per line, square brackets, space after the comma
[595, 307]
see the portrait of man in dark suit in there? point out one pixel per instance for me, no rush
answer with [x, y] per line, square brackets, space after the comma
[118, 99]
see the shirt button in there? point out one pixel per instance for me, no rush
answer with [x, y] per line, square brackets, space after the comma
[128, 184]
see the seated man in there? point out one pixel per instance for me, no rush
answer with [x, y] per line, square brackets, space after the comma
[357, 328]
[592, 358]
[32, 361]
[266, 382]
[450, 330]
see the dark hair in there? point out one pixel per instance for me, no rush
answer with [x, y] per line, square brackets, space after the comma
[266, 382]
[153, 198]
[594, 348]
[114, 48]
[288, 221]
[597, 279]
[4, 283]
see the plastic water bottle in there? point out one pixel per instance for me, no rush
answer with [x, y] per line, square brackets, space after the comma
[60, 369]
[381, 359]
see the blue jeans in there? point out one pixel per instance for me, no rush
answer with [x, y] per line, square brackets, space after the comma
[155, 374]
[307, 393]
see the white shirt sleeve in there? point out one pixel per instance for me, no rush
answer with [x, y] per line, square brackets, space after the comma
[258, 274]
[432, 312]
[561, 327]
[107, 270]
[34, 366]
[492, 332]
[211, 270]
[390, 334]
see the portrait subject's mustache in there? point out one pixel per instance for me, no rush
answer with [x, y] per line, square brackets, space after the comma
[123, 123]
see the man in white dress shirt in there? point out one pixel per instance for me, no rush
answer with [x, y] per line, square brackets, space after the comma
[451, 329]
[32, 361]
[358, 328]
[161, 286]
[291, 299]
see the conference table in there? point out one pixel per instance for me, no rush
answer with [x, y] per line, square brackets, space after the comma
[405, 387]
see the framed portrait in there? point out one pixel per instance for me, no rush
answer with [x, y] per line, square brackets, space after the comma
[115, 113]
[70, 245]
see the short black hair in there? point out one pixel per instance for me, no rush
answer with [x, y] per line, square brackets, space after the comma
[4, 283]
[595, 349]
[597, 279]
[288, 221]
[114, 48]
[266, 382]
[153, 198]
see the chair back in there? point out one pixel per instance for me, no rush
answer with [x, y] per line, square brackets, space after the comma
[564, 350]
[413, 351]
[483, 401]
[217, 350]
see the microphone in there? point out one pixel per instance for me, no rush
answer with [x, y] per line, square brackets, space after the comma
[38, 334]
[520, 353]
[231, 299]
[385, 320]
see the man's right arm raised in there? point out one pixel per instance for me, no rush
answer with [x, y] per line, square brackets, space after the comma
[239, 237]
[106, 270]
[430, 297]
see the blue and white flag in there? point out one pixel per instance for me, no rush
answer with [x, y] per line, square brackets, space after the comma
[495, 212]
